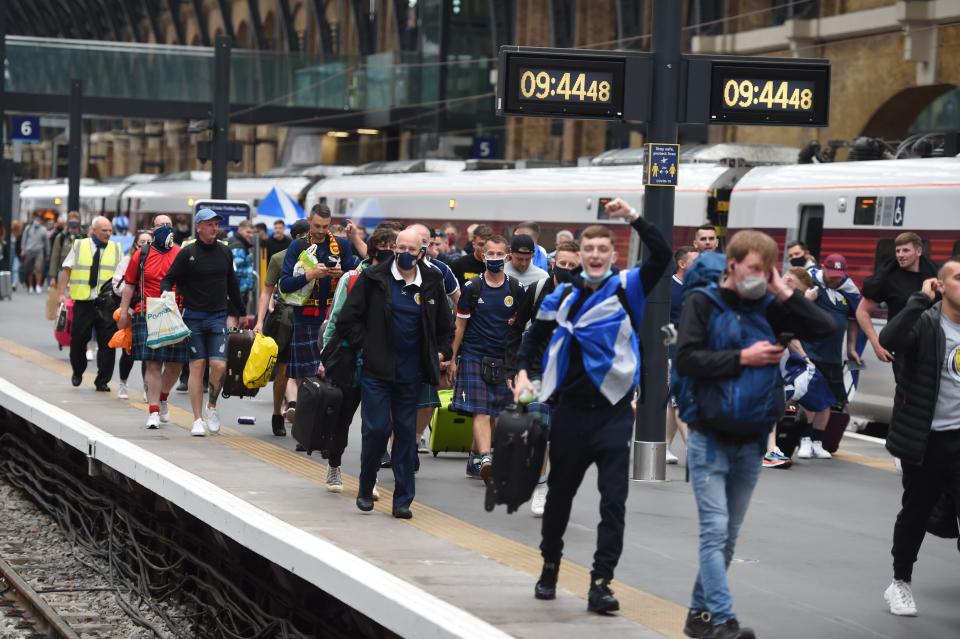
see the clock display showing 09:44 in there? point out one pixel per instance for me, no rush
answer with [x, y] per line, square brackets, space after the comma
[768, 94]
[563, 85]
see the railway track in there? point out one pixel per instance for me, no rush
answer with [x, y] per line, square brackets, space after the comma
[36, 616]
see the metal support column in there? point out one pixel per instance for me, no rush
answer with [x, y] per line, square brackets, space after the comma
[75, 150]
[6, 176]
[649, 461]
[220, 154]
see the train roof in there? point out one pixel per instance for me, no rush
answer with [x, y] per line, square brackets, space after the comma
[912, 173]
[53, 189]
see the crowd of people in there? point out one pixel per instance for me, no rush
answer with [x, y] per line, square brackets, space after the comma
[392, 317]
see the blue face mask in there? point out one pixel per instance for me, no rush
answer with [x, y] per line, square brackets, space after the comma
[163, 238]
[495, 266]
[596, 280]
[406, 261]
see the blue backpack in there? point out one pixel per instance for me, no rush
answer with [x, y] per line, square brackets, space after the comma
[752, 402]
[705, 272]
[749, 403]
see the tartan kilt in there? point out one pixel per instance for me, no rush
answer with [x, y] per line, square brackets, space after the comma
[141, 352]
[472, 395]
[303, 358]
[429, 397]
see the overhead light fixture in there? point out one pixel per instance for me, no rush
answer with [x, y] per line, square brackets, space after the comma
[338, 134]
[452, 203]
[368, 131]
[190, 201]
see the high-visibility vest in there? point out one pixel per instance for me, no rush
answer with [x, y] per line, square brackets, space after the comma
[83, 250]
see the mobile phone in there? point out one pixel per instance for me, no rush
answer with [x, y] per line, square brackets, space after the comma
[333, 261]
[854, 366]
[784, 339]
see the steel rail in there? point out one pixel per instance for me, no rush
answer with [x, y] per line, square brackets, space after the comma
[28, 597]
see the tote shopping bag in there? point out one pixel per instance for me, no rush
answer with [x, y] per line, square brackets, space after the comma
[259, 367]
[164, 324]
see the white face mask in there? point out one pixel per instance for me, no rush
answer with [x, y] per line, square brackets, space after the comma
[752, 287]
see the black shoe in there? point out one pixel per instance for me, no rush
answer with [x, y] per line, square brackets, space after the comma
[182, 387]
[600, 599]
[365, 503]
[76, 380]
[416, 465]
[402, 512]
[300, 448]
[698, 624]
[729, 629]
[278, 428]
[546, 587]
[102, 388]
[385, 461]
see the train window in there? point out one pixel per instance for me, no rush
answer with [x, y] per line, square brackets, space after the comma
[865, 212]
[811, 227]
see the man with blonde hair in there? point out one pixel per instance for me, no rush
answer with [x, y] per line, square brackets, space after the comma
[728, 346]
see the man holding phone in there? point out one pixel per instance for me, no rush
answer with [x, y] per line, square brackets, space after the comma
[332, 256]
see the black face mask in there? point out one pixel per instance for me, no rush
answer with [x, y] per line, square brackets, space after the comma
[563, 275]
[383, 255]
[798, 261]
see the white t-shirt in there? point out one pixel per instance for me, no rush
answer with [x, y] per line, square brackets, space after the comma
[946, 414]
[530, 276]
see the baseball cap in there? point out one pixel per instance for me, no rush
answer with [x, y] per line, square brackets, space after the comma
[522, 244]
[206, 214]
[299, 228]
[835, 265]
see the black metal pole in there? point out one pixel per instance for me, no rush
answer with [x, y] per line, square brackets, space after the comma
[6, 173]
[649, 448]
[75, 150]
[221, 117]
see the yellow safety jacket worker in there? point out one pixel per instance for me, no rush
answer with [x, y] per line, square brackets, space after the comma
[82, 262]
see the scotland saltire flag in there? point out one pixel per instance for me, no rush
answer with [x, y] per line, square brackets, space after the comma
[805, 385]
[610, 348]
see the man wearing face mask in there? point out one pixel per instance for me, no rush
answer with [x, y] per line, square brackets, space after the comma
[485, 311]
[725, 458]
[566, 265]
[397, 315]
[148, 266]
[62, 244]
[592, 368]
[89, 265]
[799, 255]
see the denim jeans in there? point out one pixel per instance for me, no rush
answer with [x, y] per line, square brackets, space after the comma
[723, 476]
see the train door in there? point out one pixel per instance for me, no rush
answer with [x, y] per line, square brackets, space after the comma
[811, 227]
[718, 212]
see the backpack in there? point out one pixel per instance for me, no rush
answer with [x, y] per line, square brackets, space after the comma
[750, 403]
[516, 290]
[705, 272]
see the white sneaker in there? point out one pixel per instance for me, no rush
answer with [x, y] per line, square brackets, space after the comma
[198, 429]
[153, 421]
[334, 480]
[213, 420]
[164, 412]
[539, 500]
[671, 458]
[899, 596]
[122, 393]
[36, 289]
[375, 494]
[806, 448]
[89, 355]
[422, 446]
[819, 452]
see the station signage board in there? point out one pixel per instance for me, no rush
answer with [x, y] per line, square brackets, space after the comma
[231, 212]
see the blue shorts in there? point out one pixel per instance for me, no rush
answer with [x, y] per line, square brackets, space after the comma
[208, 334]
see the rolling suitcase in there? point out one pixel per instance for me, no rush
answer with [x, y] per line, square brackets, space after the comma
[519, 446]
[64, 326]
[831, 437]
[790, 429]
[318, 411]
[450, 432]
[6, 286]
[239, 344]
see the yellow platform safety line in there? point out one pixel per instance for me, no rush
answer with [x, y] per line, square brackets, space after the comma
[661, 615]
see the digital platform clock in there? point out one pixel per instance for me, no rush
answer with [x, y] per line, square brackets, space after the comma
[773, 93]
[563, 84]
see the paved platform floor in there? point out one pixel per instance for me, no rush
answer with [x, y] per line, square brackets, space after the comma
[813, 558]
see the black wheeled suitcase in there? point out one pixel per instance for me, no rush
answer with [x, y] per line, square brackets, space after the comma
[519, 446]
[318, 411]
[239, 344]
[790, 429]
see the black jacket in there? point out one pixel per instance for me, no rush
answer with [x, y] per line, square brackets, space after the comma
[916, 336]
[365, 322]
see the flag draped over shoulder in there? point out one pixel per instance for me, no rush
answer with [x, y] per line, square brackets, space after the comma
[604, 330]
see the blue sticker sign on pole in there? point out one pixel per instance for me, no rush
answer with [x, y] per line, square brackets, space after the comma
[662, 165]
[25, 128]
